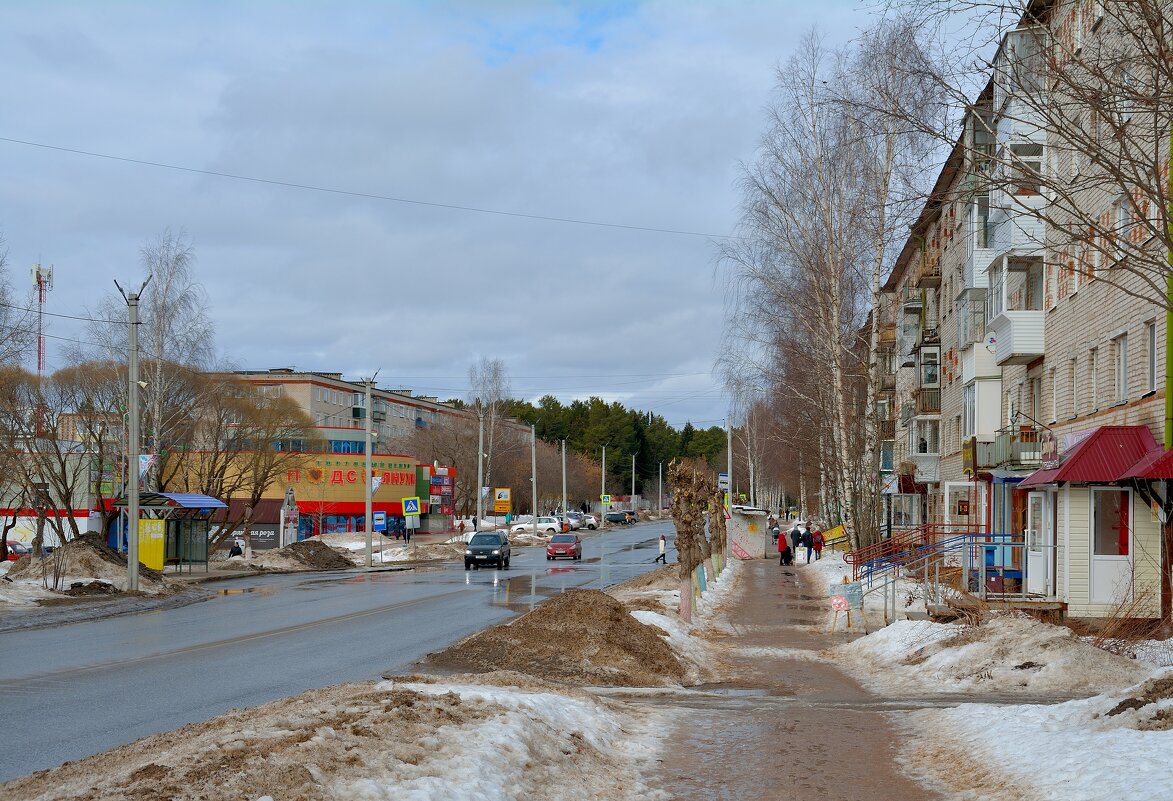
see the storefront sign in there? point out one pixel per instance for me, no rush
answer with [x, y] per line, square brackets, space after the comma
[1049, 445]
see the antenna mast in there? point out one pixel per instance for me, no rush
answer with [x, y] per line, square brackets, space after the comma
[43, 281]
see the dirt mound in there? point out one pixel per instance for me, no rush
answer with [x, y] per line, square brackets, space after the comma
[305, 555]
[580, 636]
[79, 589]
[85, 556]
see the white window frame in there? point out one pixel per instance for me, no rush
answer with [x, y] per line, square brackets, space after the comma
[1093, 376]
[1074, 381]
[1054, 395]
[1120, 367]
[1151, 340]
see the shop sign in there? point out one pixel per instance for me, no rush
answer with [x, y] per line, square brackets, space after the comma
[1049, 445]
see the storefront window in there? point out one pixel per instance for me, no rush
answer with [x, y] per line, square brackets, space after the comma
[1110, 522]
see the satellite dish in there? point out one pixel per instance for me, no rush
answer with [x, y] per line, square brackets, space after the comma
[991, 340]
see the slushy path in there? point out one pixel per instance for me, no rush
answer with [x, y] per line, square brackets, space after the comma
[791, 728]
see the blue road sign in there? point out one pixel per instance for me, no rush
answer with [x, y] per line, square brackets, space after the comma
[411, 506]
[380, 520]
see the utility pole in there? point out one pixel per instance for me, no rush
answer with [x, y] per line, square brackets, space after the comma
[729, 460]
[633, 482]
[565, 517]
[133, 446]
[533, 466]
[369, 493]
[603, 487]
[660, 491]
[480, 468]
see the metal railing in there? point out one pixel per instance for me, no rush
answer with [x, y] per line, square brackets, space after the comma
[1020, 446]
[928, 400]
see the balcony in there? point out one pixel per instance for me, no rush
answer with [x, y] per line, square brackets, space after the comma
[929, 335]
[977, 455]
[888, 334]
[358, 413]
[1018, 446]
[886, 429]
[1016, 310]
[888, 381]
[928, 401]
[929, 272]
[911, 298]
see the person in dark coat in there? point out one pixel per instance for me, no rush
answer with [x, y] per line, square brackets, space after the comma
[235, 550]
[808, 541]
[796, 535]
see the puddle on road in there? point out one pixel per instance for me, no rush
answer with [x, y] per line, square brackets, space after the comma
[268, 590]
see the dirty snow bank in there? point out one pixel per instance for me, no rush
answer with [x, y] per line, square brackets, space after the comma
[490, 738]
[1008, 653]
[1111, 746]
[85, 559]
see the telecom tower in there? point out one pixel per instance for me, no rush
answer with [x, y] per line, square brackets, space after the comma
[43, 281]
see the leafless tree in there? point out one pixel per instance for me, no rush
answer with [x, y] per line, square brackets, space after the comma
[489, 389]
[18, 328]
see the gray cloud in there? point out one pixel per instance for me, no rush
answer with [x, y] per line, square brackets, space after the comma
[633, 114]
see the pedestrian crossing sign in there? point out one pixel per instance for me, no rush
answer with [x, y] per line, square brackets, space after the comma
[606, 499]
[411, 506]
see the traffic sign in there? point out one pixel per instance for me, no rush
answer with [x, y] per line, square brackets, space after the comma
[380, 521]
[502, 500]
[411, 506]
[723, 481]
[606, 499]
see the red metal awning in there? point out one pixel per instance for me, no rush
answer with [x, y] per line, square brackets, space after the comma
[1104, 457]
[1157, 464]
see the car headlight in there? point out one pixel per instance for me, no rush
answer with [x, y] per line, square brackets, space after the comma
[496, 553]
[467, 552]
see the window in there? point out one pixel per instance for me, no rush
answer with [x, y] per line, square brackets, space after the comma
[1122, 226]
[1054, 394]
[1035, 388]
[1074, 384]
[1120, 368]
[1125, 94]
[983, 231]
[1151, 355]
[969, 408]
[925, 437]
[930, 367]
[1110, 534]
[1093, 379]
[886, 456]
[1026, 164]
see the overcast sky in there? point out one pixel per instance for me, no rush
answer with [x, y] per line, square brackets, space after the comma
[630, 113]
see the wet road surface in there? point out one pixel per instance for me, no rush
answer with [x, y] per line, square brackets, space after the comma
[71, 691]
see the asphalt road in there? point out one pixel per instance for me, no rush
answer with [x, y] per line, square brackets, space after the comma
[75, 690]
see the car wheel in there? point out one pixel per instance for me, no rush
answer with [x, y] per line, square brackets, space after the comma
[549, 558]
[467, 566]
[507, 564]
[592, 528]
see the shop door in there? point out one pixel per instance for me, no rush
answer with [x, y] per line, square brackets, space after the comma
[1040, 541]
[1111, 546]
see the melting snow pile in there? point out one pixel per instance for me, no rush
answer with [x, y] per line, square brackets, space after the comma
[1007, 653]
[1111, 746]
[499, 736]
[580, 636]
[311, 554]
[83, 561]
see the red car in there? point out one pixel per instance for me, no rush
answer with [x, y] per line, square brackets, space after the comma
[17, 550]
[564, 545]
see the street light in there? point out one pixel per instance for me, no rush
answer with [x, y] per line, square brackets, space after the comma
[367, 488]
[480, 466]
[132, 512]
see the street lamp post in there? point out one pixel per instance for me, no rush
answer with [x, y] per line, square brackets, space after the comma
[533, 466]
[132, 446]
[368, 492]
[603, 477]
[565, 517]
[480, 467]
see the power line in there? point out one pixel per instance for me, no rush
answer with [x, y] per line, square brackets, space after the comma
[66, 316]
[366, 195]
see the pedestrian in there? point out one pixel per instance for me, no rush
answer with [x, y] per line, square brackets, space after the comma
[796, 535]
[235, 550]
[474, 523]
[808, 541]
[785, 555]
[663, 557]
[817, 544]
[772, 521]
[461, 528]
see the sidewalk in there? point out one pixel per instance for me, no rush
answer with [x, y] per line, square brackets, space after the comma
[792, 728]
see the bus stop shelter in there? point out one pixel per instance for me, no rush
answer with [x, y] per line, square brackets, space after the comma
[185, 519]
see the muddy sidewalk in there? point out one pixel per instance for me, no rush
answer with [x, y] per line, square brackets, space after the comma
[787, 726]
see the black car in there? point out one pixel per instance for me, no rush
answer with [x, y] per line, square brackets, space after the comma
[487, 548]
[620, 517]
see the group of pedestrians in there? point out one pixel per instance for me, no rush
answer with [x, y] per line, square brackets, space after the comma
[803, 535]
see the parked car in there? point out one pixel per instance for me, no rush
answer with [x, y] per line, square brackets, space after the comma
[590, 522]
[17, 550]
[575, 520]
[568, 545]
[549, 525]
[487, 548]
[624, 516]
